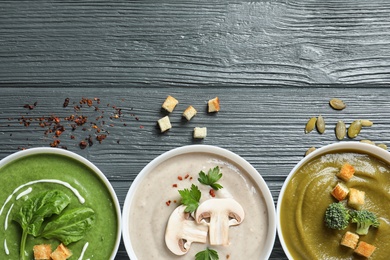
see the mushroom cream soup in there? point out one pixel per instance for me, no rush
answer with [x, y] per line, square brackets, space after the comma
[157, 197]
[30, 175]
[308, 194]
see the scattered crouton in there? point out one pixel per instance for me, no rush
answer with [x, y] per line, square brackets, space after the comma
[189, 113]
[350, 240]
[164, 124]
[213, 105]
[170, 104]
[346, 172]
[340, 191]
[200, 132]
[42, 252]
[61, 253]
[364, 249]
[356, 198]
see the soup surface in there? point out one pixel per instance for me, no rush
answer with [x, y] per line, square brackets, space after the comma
[308, 194]
[150, 212]
[42, 172]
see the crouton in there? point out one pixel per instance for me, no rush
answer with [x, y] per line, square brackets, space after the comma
[200, 132]
[356, 198]
[213, 105]
[340, 191]
[350, 240]
[364, 249]
[170, 103]
[61, 253]
[42, 252]
[346, 172]
[189, 113]
[164, 124]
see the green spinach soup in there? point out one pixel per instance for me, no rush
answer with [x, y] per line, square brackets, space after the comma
[310, 192]
[35, 175]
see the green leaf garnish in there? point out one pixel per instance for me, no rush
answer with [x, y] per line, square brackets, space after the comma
[190, 198]
[208, 254]
[211, 178]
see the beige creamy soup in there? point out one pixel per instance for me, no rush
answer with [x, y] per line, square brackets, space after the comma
[150, 212]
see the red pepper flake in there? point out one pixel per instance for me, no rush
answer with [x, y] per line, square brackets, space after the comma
[72, 137]
[100, 138]
[168, 202]
[179, 178]
[30, 107]
[174, 185]
[83, 144]
[90, 142]
[227, 256]
[174, 201]
[212, 193]
[55, 143]
[190, 178]
[186, 177]
[66, 102]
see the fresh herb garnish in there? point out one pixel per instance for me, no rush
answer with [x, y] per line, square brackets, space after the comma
[208, 254]
[33, 212]
[190, 198]
[70, 226]
[211, 178]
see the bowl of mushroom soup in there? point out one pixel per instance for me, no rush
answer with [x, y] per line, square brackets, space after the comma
[197, 200]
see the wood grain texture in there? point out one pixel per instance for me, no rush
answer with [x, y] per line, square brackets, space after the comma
[192, 43]
[263, 125]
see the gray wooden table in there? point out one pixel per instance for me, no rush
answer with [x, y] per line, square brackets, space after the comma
[273, 64]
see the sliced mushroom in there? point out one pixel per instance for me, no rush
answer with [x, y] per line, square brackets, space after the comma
[182, 230]
[220, 214]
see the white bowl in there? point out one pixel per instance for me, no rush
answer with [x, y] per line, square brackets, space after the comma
[357, 147]
[213, 151]
[61, 152]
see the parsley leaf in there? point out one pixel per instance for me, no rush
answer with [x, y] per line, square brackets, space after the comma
[208, 254]
[211, 178]
[190, 198]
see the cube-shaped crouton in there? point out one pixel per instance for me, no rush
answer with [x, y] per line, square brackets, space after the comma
[164, 124]
[364, 249]
[42, 252]
[340, 191]
[346, 172]
[356, 198]
[200, 132]
[61, 253]
[213, 105]
[170, 103]
[189, 113]
[350, 240]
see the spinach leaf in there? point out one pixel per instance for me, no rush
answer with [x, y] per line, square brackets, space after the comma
[70, 226]
[34, 210]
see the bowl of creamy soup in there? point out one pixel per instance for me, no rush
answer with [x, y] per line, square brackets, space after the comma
[195, 201]
[334, 204]
[55, 204]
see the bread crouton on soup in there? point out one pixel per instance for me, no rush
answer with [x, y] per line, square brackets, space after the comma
[164, 124]
[340, 191]
[350, 240]
[213, 105]
[346, 172]
[356, 198]
[189, 113]
[200, 132]
[170, 104]
[61, 253]
[42, 252]
[364, 249]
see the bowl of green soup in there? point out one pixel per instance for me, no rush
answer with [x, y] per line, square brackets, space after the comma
[54, 202]
[334, 204]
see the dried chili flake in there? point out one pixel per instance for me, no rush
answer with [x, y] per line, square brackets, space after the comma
[55, 143]
[83, 144]
[100, 138]
[66, 102]
[174, 185]
[186, 177]
[179, 178]
[212, 193]
[90, 142]
[168, 202]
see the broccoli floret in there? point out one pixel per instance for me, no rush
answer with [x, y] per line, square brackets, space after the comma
[364, 219]
[337, 216]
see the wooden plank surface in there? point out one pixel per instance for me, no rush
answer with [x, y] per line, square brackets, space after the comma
[263, 125]
[192, 43]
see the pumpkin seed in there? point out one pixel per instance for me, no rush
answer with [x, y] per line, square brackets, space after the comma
[340, 130]
[383, 146]
[310, 125]
[337, 104]
[354, 129]
[366, 122]
[310, 150]
[320, 124]
[367, 141]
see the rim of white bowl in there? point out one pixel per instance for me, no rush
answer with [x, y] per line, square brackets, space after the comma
[79, 158]
[271, 232]
[352, 146]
